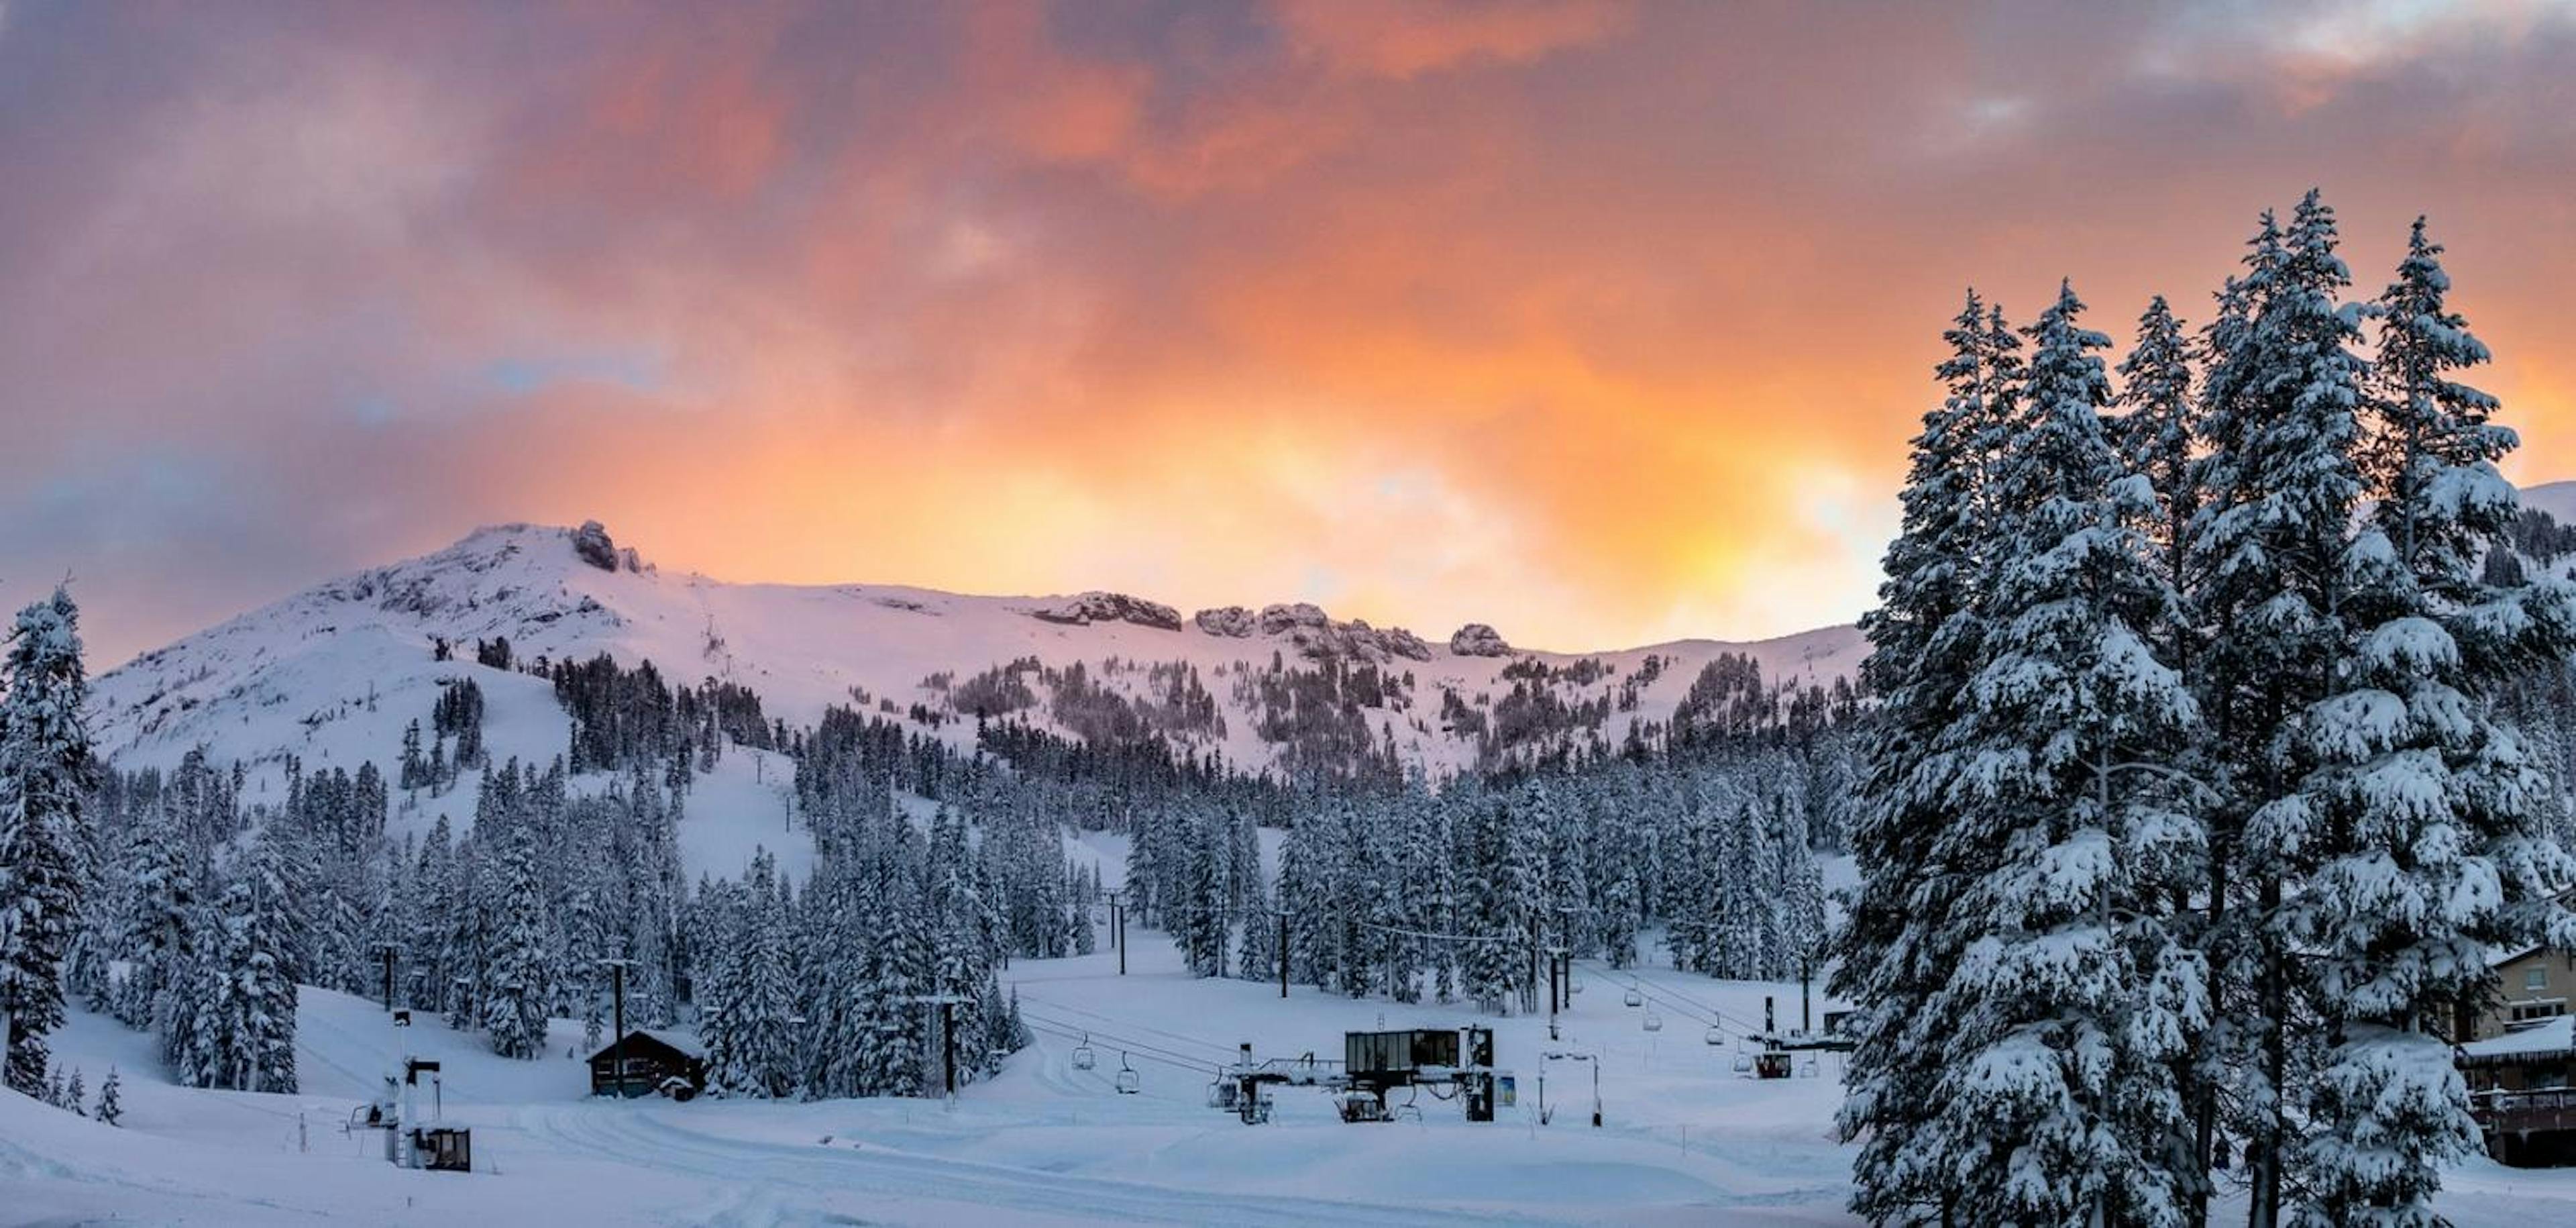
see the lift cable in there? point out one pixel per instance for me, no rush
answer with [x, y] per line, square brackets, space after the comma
[1410, 933]
[1026, 1001]
[1112, 1040]
[1196, 1069]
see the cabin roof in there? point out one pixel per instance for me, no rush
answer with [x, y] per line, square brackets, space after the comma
[679, 1042]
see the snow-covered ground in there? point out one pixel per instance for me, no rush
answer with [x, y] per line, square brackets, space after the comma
[1686, 1139]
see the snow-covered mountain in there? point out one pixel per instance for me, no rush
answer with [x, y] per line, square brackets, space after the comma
[333, 674]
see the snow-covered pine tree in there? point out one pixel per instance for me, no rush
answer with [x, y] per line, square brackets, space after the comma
[156, 937]
[238, 1001]
[2155, 434]
[414, 773]
[766, 1040]
[111, 1104]
[1897, 947]
[1521, 882]
[1615, 861]
[261, 965]
[1490, 946]
[717, 928]
[2423, 811]
[46, 772]
[897, 971]
[1197, 914]
[2281, 484]
[2057, 1100]
[75, 1094]
[519, 980]
[1802, 898]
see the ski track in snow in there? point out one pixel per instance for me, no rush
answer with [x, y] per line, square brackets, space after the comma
[613, 1132]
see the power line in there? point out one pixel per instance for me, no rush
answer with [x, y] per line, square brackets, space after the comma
[1395, 929]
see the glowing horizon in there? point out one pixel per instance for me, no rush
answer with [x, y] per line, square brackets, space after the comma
[1602, 323]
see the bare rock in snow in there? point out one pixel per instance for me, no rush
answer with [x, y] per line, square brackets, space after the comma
[1479, 640]
[590, 541]
[1301, 616]
[1100, 607]
[1231, 621]
[1398, 642]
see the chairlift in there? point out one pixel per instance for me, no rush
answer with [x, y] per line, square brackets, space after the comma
[1744, 1063]
[1654, 1022]
[1221, 1093]
[1129, 1082]
[1716, 1036]
[1635, 998]
[1083, 1058]
[1809, 1069]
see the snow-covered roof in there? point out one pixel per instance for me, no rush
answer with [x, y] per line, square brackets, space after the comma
[681, 1041]
[2556, 1036]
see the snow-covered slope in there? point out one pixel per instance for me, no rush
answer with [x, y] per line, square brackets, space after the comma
[334, 674]
[2556, 498]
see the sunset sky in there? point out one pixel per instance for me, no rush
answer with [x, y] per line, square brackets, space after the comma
[1603, 323]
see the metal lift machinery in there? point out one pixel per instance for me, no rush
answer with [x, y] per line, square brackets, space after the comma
[1450, 1064]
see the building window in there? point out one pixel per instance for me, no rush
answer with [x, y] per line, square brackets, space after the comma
[2535, 978]
[2541, 1010]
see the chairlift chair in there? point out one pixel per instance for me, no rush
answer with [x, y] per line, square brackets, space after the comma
[1744, 1063]
[1083, 1057]
[1635, 998]
[1129, 1082]
[1715, 1036]
[1654, 1022]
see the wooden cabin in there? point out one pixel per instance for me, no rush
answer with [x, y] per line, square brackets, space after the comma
[652, 1059]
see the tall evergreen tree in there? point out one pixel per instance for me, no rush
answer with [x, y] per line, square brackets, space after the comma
[517, 994]
[2156, 435]
[46, 772]
[2282, 483]
[1896, 949]
[2420, 813]
[2057, 1103]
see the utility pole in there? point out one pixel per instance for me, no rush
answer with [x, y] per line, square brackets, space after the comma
[1806, 1017]
[1118, 930]
[617, 978]
[1558, 980]
[387, 950]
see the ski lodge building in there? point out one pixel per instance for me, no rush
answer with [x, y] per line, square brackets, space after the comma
[2516, 1053]
[2532, 987]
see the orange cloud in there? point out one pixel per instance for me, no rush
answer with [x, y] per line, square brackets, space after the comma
[1598, 322]
[1406, 38]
